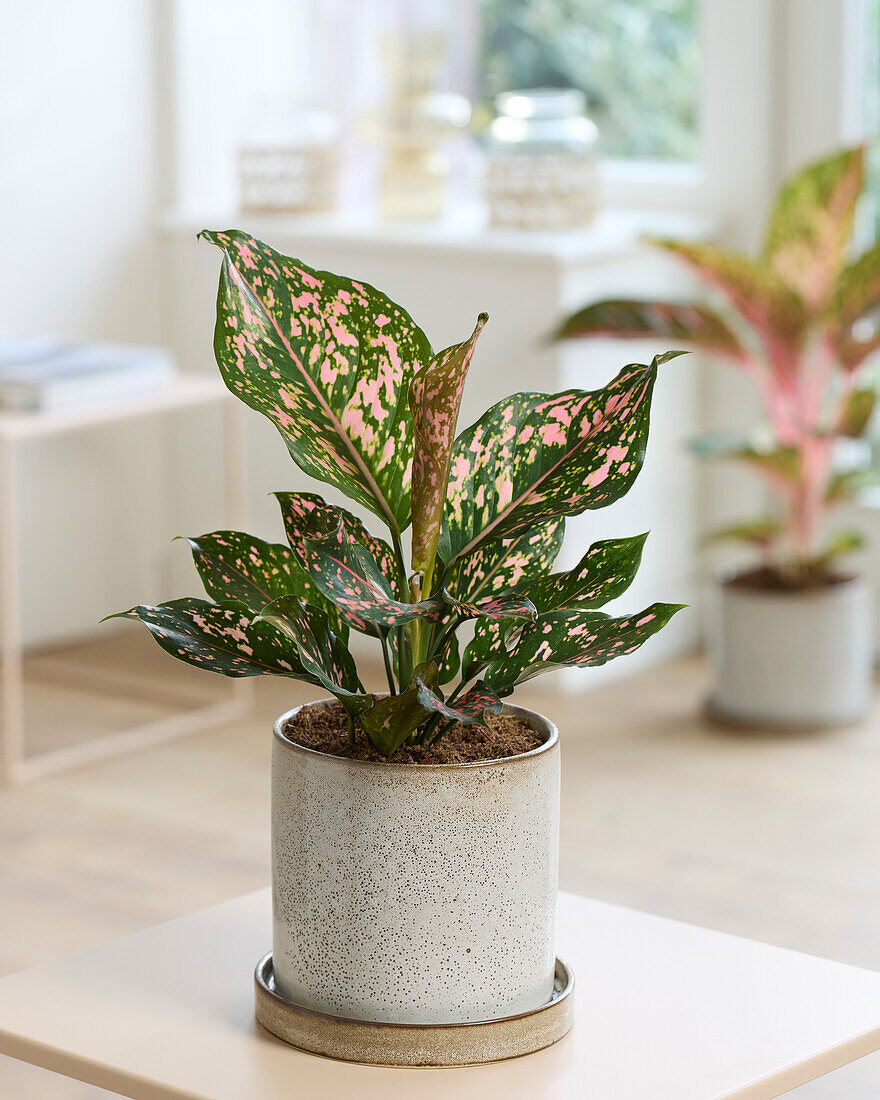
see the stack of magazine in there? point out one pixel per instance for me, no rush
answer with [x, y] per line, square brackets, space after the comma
[39, 374]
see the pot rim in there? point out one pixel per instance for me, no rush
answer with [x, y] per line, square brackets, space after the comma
[509, 709]
[856, 584]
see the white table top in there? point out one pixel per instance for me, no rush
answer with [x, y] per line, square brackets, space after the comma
[664, 1011]
[181, 392]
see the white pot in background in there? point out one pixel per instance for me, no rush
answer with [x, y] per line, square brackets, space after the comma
[792, 658]
[413, 893]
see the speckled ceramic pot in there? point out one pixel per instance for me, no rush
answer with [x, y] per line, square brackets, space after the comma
[792, 659]
[414, 893]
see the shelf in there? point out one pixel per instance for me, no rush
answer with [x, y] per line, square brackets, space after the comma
[183, 392]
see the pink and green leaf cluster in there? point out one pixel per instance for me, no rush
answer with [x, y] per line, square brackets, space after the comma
[800, 321]
[363, 403]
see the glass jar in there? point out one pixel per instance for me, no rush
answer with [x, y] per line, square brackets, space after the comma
[542, 171]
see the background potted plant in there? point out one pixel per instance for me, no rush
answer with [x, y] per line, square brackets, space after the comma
[414, 832]
[793, 640]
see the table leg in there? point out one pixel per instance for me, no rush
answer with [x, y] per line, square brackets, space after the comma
[235, 463]
[235, 454]
[11, 661]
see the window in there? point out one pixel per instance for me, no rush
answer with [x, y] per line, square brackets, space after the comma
[637, 62]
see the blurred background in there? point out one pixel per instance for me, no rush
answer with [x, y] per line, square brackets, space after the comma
[383, 140]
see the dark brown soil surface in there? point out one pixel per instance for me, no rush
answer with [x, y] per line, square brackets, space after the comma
[765, 579]
[326, 729]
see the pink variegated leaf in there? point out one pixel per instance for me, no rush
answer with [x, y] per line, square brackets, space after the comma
[434, 400]
[534, 456]
[307, 514]
[857, 413]
[506, 605]
[348, 576]
[508, 562]
[856, 299]
[755, 291]
[673, 322]
[605, 572]
[469, 709]
[811, 224]
[237, 566]
[847, 484]
[762, 533]
[394, 718]
[573, 638]
[328, 360]
[321, 652]
[220, 637]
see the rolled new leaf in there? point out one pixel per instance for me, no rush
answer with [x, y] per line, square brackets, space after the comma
[328, 360]
[434, 400]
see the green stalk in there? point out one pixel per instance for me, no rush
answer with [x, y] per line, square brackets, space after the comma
[386, 657]
[404, 665]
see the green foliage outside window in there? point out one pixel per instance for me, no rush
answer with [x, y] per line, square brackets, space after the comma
[637, 62]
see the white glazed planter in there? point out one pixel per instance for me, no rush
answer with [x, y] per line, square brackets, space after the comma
[414, 893]
[793, 658]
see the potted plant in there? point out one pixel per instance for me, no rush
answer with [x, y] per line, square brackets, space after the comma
[793, 644]
[414, 832]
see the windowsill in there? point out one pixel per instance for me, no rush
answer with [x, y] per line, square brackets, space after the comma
[614, 232]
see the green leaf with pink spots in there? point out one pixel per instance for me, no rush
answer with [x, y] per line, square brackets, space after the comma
[394, 718]
[506, 605]
[306, 515]
[534, 456]
[573, 638]
[237, 566]
[220, 637]
[322, 654]
[347, 574]
[434, 400]
[811, 224]
[507, 562]
[470, 709]
[674, 322]
[329, 361]
[605, 572]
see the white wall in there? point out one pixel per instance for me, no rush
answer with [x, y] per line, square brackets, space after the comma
[77, 179]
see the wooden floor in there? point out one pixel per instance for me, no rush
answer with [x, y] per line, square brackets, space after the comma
[770, 837]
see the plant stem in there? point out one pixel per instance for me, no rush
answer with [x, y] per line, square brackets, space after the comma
[404, 667]
[438, 647]
[386, 657]
[431, 725]
[441, 732]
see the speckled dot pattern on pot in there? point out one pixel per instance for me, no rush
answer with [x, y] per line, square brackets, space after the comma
[409, 893]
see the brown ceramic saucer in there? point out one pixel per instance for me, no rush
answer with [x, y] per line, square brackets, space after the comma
[378, 1044]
